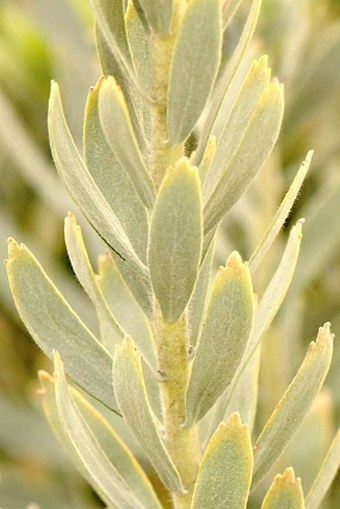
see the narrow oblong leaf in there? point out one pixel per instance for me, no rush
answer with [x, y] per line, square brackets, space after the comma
[194, 66]
[126, 311]
[53, 324]
[223, 338]
[285, 491]
[176, 221]
[85, 449]
[132, 399]
[158, 14]
[82, 268]
[118, 454]
[118, 130]
[82, 187]
[294, 404]
[325, 476]
[234, 126]
[111, 177]
[222, 87]
[258, 141]
[225, 471]
[281, 214]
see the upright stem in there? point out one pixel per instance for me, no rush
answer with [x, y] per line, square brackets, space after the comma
[182, 443]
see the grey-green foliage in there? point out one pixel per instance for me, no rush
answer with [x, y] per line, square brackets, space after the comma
[168, 150]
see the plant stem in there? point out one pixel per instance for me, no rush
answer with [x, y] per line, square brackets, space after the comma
[182, 443]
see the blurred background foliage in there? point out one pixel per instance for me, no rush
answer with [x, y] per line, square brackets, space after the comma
[44, 39]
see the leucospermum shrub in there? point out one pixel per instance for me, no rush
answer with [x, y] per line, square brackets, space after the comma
[170, 145]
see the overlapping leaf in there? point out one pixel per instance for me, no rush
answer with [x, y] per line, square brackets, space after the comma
[225, 472]
[194, 67]
[176, 222]
[158, 14]
[53, 324]
[294, 404]
[223, 338]
[132, 399]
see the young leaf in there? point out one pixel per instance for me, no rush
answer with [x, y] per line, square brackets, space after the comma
[194, 66]
[224, 82]
[125, 309]
[285, 491]
[225, 472]
[109, 15]
[258, 141]
[281, 214]
[115, 120]
[158, 14]
[176, 222]
[132, 399]
[83, 188]
[294, 404]
[223, 338]
[120, 457]
[234, 127]
[85, 449]
[53, 324]
[82, 268]
[325, 476]
[112, 179]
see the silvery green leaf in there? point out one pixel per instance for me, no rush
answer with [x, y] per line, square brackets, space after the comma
[224, 475]
[236, 123]
[294, 404]
[281, 214]
[158, 14]
[109, 15]
[85, 449]
[277, 288]
[118, 454]
[140, 44]
[132, 399]
[112, 179]
[83, 270]
[223, 338]
[82, 187]
[224, 82]
[325, 476]
[229, 10]
[198, 300]
[118, 130]
[247, 159]
[125, 309]
[285, 492]
[53, 324]
[194, 66]
[176, 221]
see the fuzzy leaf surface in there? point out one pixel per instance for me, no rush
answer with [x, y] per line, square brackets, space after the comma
[294, 404]
[112, 179]
[225, 472]
[53, 324]
[285, 491]
[125, 309]
[176, 222]
[85, 449]
[194, 66]
[132, 399]
[120, 457]
[258, 140]
[281, 214]
[82, 187]
[118, 130]
[158, 14]
[83, 270]
[223, 338]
